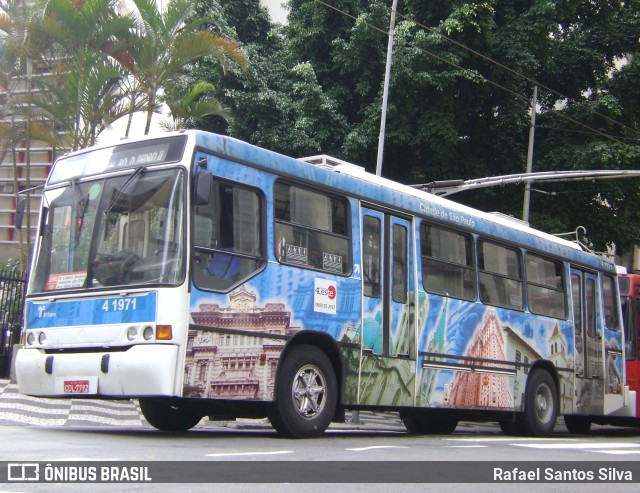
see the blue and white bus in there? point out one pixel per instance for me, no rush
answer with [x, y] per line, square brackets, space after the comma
[208, 277]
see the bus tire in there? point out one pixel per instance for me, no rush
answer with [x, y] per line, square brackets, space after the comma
[540, 406]
[577, 425]
[168, 414]
[306, 393]
[425, 423]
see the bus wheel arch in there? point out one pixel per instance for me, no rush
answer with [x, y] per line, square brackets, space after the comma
[307, 392]
[541, 401]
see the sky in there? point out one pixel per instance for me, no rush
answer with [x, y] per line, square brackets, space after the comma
[277, 12]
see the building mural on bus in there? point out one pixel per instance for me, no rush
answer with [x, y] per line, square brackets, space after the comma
[492, 347]
[236, 358]
[476, 356]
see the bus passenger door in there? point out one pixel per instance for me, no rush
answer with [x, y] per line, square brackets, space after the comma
[588, 344]
[387, 370]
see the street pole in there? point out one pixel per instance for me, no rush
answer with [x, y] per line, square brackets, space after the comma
[385, 94]
[527, 185]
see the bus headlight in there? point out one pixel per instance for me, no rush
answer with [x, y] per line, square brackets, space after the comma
[42, 338]
[31, 338]
[132, 333]
[147, 333]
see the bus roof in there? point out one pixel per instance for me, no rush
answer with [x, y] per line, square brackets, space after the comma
[356, 181]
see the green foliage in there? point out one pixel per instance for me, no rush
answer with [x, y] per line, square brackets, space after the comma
[459, 102]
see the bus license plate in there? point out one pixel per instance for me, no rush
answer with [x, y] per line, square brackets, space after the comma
[76, 386]
[79, 385]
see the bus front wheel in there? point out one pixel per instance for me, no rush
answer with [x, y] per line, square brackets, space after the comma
[306, 393]
[169, 414]
[540, 406]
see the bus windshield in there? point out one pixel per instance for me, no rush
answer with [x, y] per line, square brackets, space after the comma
[122, 230]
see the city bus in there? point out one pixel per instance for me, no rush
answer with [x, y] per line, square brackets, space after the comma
[205, 276]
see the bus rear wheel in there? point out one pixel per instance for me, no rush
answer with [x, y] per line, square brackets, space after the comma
[169, 414]
[540, 406]
[306, 393]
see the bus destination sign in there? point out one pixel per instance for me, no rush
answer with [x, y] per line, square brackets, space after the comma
[138, 156]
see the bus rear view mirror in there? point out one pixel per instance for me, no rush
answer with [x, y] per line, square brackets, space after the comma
[202, 187]
[20, 208]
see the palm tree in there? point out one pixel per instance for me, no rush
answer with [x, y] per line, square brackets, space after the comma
[167, 42]
[188, 109]
[17, 54]
[89, 59]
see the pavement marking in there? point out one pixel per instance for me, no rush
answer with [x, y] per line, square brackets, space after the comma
[580, 446]
[618, 452]
[509, 439]
[375, 447]
[467, 446]
[244, 454]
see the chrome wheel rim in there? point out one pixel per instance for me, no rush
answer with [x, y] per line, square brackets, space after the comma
[309, 392]
[544, 403]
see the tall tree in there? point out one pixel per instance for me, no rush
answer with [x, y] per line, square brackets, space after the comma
[19, 51]
[461, 82]
[278, 103]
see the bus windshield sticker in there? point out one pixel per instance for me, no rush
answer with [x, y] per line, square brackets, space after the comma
[325, 296]
[67, 280]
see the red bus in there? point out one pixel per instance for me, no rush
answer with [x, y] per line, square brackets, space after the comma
[630, 299]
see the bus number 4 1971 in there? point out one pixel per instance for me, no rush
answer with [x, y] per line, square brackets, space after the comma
[119, 305]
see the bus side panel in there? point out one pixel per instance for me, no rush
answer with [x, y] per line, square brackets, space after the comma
[478, 357]
[237, 338]
[230, 354]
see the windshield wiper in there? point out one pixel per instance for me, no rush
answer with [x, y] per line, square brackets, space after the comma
[120, 192]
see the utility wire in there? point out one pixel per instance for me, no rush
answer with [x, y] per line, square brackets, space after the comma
[489, 81]
[499, 64]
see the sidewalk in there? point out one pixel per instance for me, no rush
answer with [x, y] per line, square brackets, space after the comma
[18, 409]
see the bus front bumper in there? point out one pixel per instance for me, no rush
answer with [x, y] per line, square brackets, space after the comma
[142, 370]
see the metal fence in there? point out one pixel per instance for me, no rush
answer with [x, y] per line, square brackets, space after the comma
[12, 287]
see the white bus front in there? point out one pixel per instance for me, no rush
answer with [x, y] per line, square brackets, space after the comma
[107, 300]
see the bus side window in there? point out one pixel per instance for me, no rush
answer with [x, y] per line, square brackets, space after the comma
[611, 320]
[447, 262]
[545, 286]
[500, 275]
[371, 256]
[311, 229]
[227, 237]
